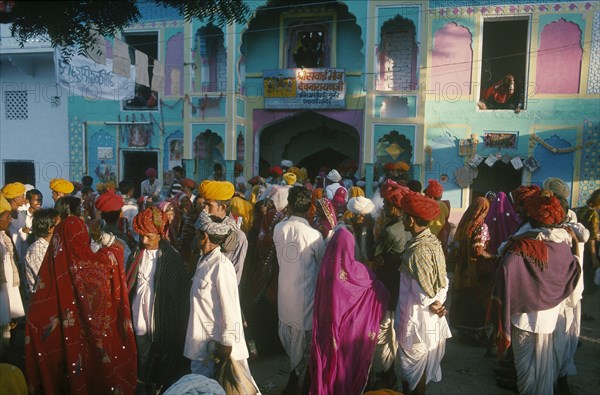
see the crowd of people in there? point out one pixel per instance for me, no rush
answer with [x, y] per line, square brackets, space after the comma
[173, 292]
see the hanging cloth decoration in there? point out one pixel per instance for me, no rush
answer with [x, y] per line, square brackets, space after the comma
[555, 150]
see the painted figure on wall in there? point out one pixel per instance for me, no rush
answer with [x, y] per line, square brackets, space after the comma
[140, 135]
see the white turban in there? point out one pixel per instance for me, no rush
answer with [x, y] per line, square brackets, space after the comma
[360, 205]
[557, 186]
[287, 163]
[195, 384]
[334, 176]
[279, 195]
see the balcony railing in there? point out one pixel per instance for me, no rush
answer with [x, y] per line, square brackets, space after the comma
[10, 45]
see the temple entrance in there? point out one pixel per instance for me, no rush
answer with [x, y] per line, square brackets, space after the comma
[309, 140]
[135, 164]
[501, 177]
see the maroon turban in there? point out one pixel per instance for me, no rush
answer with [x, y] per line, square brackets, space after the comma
[109, 201]
[393, 192]
[522, 193]
[545, 208]
[151, 172]
[188, 182]
[417, 205]
[151, 220]
[434, 190]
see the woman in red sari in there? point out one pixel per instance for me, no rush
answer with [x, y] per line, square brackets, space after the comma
[79, 336]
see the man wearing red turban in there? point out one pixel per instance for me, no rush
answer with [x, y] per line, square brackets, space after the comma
[159, 296]
[109, 205]
[386, 261]
[435, 191]
[423, 290]
[520, 195]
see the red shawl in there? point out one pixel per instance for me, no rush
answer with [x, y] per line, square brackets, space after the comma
[79, 337]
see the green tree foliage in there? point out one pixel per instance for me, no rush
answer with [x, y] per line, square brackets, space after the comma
[75, 23]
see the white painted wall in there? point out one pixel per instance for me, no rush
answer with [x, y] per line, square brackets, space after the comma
[43, 137]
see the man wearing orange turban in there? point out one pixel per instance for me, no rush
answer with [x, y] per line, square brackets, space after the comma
[423, 290]
[386, 261]
[60, 187]
[159, 294]
[217, 197]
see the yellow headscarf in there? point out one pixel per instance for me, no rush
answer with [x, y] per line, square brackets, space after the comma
[13, 190]
[61, 185]
[4, 204]
[289, 178]
[13, 380]
[355, 192]
[216, 190]
[243, 208]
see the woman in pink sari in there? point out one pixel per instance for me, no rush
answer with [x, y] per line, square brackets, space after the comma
[349, 304]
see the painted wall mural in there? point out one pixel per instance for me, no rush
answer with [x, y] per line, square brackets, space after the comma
[559, 58]
[102, 154]
[451, 58]
[76, 149]
[594, 69]
[589, 176]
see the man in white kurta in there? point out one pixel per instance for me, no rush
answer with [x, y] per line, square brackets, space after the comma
[299, 249]
[215, 323]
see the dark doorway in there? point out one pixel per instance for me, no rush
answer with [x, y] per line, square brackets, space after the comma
[502, 177]
[135, 164]
[327, 157]
[19, 171]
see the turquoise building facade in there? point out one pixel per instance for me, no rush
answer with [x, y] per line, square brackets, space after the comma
[367, 82]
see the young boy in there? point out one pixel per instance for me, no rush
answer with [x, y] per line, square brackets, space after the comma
[44, 221]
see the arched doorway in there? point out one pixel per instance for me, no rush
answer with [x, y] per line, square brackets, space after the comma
[310, 140]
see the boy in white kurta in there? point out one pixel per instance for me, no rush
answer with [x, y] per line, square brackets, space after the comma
[215, 313]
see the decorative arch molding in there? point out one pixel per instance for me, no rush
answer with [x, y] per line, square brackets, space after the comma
[210, 59]
[452, 57]
[559, 58]
[268, 16]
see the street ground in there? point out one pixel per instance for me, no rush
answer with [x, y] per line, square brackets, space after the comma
[465, 371]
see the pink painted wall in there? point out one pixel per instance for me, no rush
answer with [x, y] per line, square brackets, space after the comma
[452, 58]
[559, 58]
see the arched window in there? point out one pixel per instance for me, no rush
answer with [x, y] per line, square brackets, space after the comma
[397, 56]
[210, 60]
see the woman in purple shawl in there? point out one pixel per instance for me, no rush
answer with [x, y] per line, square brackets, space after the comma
[502, 221]
[349, 304]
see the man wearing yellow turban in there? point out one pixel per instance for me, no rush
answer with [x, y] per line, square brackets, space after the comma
[14, 193]
[60, 187]
[217, 198]
[289, 178]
